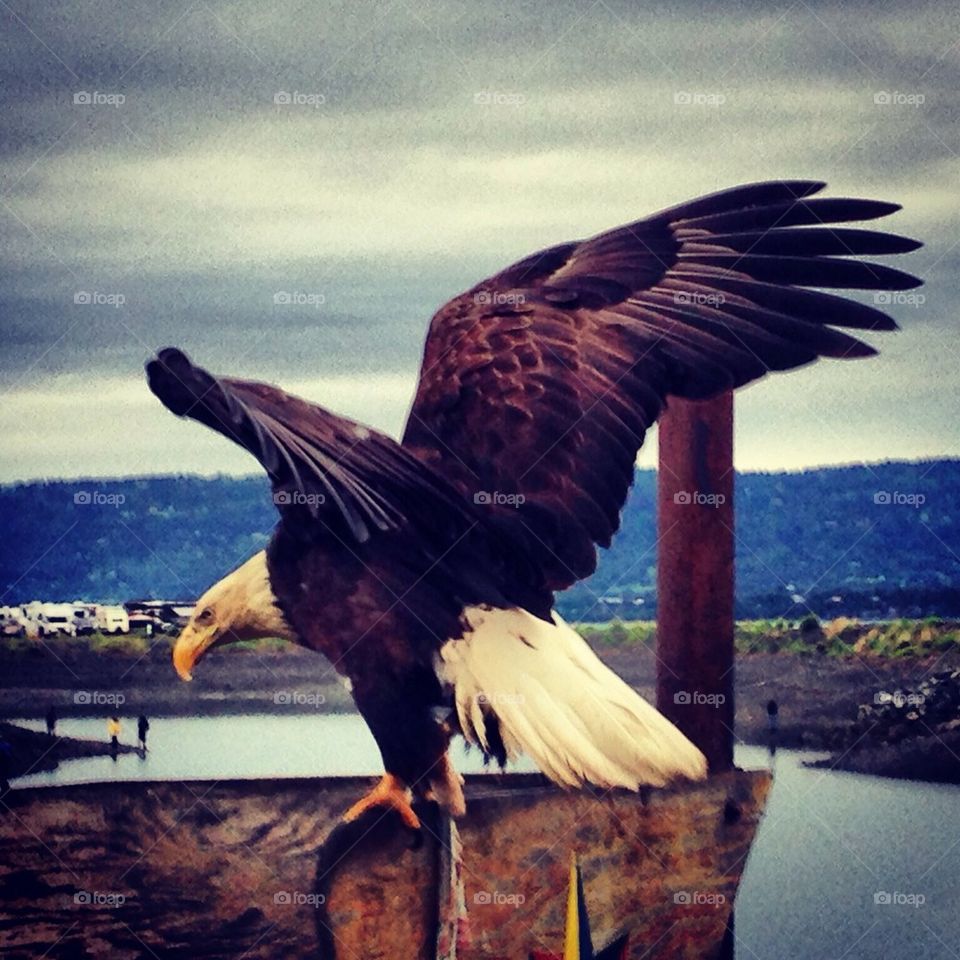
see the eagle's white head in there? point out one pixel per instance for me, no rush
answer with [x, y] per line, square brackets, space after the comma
[240, 607]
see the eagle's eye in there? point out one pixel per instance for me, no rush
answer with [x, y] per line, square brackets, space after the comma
[205, 615]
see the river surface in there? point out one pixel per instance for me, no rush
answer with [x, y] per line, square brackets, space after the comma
[844, 866]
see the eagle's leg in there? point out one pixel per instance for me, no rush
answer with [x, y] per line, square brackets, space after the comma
[391, 792]
[412, 743]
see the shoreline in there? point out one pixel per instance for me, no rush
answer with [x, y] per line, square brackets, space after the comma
[817, 695]
[32, 751]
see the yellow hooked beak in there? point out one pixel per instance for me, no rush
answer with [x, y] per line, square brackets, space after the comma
[191, 645]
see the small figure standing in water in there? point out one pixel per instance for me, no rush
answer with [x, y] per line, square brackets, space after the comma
[773, 726]
[113, 732]
[52, 721]
[143, 725]
[773, 716]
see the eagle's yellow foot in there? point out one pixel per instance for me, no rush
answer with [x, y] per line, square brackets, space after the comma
[390, 792]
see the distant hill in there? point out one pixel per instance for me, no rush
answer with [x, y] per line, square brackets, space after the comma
[884, 538]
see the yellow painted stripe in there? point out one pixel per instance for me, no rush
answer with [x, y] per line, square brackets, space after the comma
[571, 944]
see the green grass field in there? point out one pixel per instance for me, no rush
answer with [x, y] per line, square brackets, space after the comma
[840, 638]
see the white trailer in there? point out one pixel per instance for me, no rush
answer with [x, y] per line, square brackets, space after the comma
[56, 618]
[12, 622]
[112, 619]
[30, 618]
[84, 617]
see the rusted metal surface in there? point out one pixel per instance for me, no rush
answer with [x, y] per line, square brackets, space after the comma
[380, 890]
[138, 870]
[695, 574]
[141, 870]
[664, 866]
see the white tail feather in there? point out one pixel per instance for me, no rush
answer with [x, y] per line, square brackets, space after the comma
[558, 703]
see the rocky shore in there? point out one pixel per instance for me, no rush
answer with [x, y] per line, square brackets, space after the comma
[911, 732]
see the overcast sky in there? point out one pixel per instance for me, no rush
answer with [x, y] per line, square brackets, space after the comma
[170, 171]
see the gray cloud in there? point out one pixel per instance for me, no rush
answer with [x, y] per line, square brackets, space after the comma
[423, 147]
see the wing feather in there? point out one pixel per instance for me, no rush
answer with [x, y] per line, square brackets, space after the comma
[327, 472]
[537, 385]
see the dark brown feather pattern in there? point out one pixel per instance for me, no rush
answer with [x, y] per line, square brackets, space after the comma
[540, 382]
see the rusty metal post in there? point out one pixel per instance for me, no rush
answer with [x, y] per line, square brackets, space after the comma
[695, 574]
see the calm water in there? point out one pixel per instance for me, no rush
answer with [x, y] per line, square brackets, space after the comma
[829, 845]
[222, 748]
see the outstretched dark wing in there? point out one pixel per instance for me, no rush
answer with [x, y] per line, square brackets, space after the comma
[324, 468]
[538, 384]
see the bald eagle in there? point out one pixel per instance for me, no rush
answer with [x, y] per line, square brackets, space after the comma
[425, 570]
